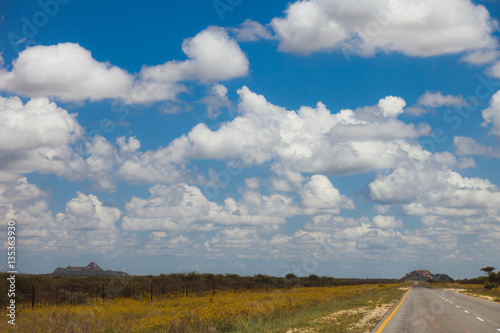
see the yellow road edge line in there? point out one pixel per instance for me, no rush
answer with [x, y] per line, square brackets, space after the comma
[392, 314]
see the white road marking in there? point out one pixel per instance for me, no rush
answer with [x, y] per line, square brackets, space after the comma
[458, 307]
[466, 311]
[479, 319]
[498, 329]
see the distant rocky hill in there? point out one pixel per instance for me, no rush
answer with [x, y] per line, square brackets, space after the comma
[424, 275]
[90, 269]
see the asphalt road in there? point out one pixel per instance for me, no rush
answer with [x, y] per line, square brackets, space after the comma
[436, 310]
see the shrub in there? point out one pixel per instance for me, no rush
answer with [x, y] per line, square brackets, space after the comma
[490, 285]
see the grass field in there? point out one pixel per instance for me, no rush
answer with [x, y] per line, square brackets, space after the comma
[328, 309]
[471, 289]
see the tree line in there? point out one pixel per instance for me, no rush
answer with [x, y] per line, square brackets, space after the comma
[490, 281]
[40, 288]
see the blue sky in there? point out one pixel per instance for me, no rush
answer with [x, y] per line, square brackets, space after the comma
[348, 139]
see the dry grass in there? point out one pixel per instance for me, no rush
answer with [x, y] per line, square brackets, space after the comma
[361, 317]
[229, 311]
[475, 290]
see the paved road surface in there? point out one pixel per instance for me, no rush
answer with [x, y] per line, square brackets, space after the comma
[435, 310]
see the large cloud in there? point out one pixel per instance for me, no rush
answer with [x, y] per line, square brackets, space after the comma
[423, 28]
[319, 195]
[66, 71]
[430, 186]
[213, 56]
[87, 212]
[24, 203]
[69, 72]
[311, 140]
[87, 226]
[107, 163]
[387, 222]
[184, 207]
[35, 136]
[495, 70]
[492, 114]
[469, 146]
[308, 140]
[39, 136]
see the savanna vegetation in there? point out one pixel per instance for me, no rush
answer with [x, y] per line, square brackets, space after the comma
[43, 290]
[487, 287]
[314, 309]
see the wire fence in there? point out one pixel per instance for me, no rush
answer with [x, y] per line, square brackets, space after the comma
[42, 294]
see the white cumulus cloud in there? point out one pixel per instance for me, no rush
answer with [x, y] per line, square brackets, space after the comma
[437, 99]
[35, 136]
[68, 71]
[212, 56]
[423, 28]
[308, 140]
[184, 207]
[87, 212]
[429, 186]
[491, 115]
[387, 222]
[319, 195]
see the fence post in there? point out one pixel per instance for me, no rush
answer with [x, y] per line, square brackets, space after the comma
[33, 297]
[151, 290]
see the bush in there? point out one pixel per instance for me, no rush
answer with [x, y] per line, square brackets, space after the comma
[490, 285]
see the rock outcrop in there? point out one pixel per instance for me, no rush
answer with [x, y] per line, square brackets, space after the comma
[424, 275]
[91, 269]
